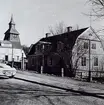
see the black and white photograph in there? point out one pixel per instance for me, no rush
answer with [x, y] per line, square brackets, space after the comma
[52, 52]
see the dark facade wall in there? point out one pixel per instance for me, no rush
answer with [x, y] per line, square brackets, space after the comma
[60, 53]
[34, 63]
[53, 62]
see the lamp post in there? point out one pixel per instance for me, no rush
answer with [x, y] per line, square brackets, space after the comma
[42, 67]
[12, 57]
[89, 75]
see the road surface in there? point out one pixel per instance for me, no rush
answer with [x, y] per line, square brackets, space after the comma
[18, 92]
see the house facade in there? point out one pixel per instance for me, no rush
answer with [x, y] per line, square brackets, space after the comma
[88, 54]
[53, 54]
[67, 53]
[10, 48]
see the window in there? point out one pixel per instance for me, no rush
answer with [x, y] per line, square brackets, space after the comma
[93, 46]
[33, 61]
[49, 61]
[60, 46]
[38, 47]
[95, 61]
[43, 47]
[14, 36]
[85, 45]
[17, 58]
[90, 34]
[83, 61]
[6, 57]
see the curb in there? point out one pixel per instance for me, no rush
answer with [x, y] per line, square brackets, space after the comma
[62, 88]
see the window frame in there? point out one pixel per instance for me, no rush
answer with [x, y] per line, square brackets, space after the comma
[85, 45]
[83, 61]
[6, 57]
[93, 46]
[60, 46]
[96, 62]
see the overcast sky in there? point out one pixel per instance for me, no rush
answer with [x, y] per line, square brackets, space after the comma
[33, 17]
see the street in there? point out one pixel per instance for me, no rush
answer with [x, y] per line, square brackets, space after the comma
[18, 92]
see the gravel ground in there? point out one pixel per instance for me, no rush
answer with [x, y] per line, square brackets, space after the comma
[18, 92]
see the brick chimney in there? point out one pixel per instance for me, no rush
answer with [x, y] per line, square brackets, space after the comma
[69, 29]
[47, 34]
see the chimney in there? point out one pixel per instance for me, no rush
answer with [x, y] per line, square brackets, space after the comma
[47, 34]
[69, 29]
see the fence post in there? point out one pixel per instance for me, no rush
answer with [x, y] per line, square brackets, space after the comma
[62, 72]
[91, 75]
[41, 70]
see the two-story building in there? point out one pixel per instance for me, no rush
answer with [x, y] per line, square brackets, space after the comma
[54, 53]
[88, 54]
[71, 51]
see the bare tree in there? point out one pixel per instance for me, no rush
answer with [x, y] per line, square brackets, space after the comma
[98, 8]
[25, 49]
[78, 52]
[58, 29]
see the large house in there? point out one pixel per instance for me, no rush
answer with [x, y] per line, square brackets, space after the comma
[61, 53]
[10, 48]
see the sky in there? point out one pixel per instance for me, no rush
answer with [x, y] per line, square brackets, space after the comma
[34, 17]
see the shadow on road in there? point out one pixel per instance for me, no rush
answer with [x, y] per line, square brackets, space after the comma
[98, 95]
[4, 77]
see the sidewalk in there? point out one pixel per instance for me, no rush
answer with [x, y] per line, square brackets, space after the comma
[70, 84]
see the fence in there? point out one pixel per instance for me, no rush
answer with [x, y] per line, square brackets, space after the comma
[84, 74]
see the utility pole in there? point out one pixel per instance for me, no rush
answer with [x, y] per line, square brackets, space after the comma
[42, 67]
[12, 56]
[89, 53]
[89, 73]
[22, 63]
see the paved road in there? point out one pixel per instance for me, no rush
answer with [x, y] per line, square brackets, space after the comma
[18, 92]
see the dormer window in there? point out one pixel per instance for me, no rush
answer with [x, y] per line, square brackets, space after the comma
[38, 47]
[60, 46]
[43, 46]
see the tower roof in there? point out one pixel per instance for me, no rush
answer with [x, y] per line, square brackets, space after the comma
[12, 21]
[12, 35]
[12, 29]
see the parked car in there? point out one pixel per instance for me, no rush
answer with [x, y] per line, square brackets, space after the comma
[6, 70]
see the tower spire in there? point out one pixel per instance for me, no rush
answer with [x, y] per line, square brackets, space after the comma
[11, 21]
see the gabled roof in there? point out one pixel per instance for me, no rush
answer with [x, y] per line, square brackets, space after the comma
[32, 49]
[72, 36]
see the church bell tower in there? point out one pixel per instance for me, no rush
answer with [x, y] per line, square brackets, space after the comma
[12, 34]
